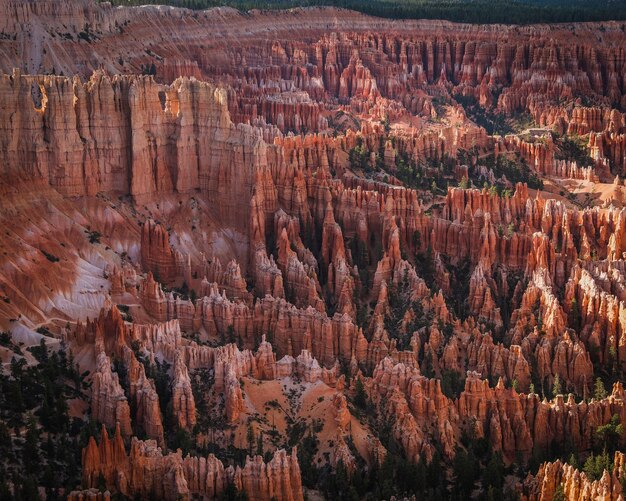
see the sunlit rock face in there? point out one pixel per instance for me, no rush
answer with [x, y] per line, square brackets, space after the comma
[283, 247]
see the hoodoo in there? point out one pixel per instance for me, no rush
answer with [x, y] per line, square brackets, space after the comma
[310, 253]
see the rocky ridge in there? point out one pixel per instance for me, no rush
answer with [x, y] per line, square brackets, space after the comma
[330, 234]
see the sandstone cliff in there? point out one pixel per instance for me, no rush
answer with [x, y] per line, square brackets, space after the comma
[146, 471]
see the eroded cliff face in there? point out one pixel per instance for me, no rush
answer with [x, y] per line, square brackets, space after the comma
[127, 135]
[366, 238]
[144, 471]
[574, 484]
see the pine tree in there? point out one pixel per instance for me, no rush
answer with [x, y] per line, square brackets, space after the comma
[231, 333]
[559, 494]
[574, 315]
[29, 488]
[599, 391]
[494, 472]
[5, 492]
[259, 444]
[556, 387]
[387, 124]
[360, 397]
[417, 240]
[610, 433]
[595, 465]
[30, 451]
[250, 439]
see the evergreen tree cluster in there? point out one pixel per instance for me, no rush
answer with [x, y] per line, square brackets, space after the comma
[476, 11]
[400, 302]
[40, 445]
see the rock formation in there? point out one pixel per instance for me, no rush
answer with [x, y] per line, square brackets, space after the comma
[360, 235]
[146, 471]
[574, 484]
[109, 405]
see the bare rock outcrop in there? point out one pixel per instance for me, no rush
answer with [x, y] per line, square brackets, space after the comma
[146, 471]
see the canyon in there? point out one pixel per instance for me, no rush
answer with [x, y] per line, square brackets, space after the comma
[311, 254]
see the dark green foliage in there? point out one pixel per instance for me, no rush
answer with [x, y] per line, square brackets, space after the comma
[208, 416]
[295, 432]
[466, 470]
[493, 474]
[573, 148]
[338, 485]
[497, 123]
[386, 124]
[5, 493]
[396, 476]
[360, 396]
[559, 494]
[29, 488]
[158, 372]
[359, 157]
[479, 11]
[181, 439]
[425, 267]
[434, 174]
[492, 121]
[409, 174]
[185, 292]
[599, 391]
[305, 437]
[596, 464]
[124, 308]
[39, 443]
[231, 493]
[30, 447]
[93, 236]
[452, 383]
[557, 389]
[7, 341]
[148, 69]
[125, 311]
[86, 34]
[610, 434]
[360, 253]
[417, 240]
[41, 350]
[476, 464]
[514, 169]
[259, 444]
[399, 303]
[229, 336]
[250, 439]
[459, 287]
[50, 257]
[307, 448]
[361, 309]
[574, 318]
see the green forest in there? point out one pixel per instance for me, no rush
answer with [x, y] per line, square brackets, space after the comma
[469, 11]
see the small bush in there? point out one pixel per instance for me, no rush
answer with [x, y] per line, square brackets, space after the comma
[94, 237]
[50, 257]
